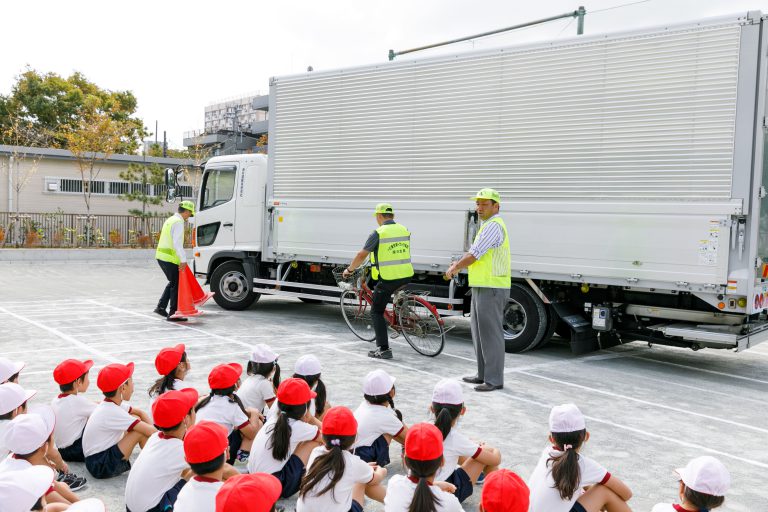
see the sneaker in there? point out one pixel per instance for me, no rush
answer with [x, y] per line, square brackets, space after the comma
[74, 482]
[242, 456]
[176, 319]
[480, 479]
[380, 354]
[161, 312]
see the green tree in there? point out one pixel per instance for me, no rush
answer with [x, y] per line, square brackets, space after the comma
[140, 177]
[52, 106]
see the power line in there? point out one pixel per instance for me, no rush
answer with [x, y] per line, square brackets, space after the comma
[617, 6]
[565, 27]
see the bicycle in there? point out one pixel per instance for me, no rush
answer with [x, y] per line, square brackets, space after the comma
[410, 314]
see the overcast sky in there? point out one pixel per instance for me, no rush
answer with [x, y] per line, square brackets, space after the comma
[177, 57]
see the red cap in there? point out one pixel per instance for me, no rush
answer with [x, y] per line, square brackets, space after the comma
[224, 376]
[257, 492]
[339, 421]
[113, 376]
[504, 491]
[424, 441]
[169, 358]
[171, 407]
[70, 370]
[294, 392]
[204, 442]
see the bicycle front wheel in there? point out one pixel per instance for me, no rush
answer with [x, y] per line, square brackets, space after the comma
[357, 314]
[421, 327]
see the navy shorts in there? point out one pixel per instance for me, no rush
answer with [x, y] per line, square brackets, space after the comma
[290, 476]
[73, 452]
[107, 464]
[168, 499]
[235, 441]
[356, 507]
[578, 507]
[463, 484]
[378, 452]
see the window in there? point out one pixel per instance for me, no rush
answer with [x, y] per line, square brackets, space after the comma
[118, 187]
[218, 187]
[67, 185]
[136, 188]
[160, 190]
[207, 234]
[184, 191]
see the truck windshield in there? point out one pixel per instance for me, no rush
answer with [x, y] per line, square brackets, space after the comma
[218, 187]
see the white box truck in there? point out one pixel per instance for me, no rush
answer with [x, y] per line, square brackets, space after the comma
[631, 169]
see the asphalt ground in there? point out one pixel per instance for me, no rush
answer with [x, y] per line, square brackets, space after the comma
[649, 409]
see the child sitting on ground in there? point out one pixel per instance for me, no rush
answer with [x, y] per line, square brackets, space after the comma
[703, 484]
[378, 422]
[26, 489]
[258, 390]
[308, 369]
[112, 431]
[71, 407]
[562, 472]
[337, 480]
[173, 365]
[504, 491]
[9, 370]
[160, 471]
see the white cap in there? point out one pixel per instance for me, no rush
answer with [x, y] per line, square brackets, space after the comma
[449, 392]
[9, 368]
[12, 395]
[20, 490]
[307, 364]
[706, 475]
[378, 382]
[566, 418]
[89, 505]
[261, 353]
[28, 432]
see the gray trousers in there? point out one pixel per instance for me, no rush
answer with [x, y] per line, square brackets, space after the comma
[487, 322]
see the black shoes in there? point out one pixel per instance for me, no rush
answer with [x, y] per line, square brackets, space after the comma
[176, 319]
[74, 482]
[380, 354]
[487, 387]
[472, 380]
[160, 311]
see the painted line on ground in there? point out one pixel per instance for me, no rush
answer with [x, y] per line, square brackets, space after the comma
[601, 356]
[705, 370]
[158, 330]
[103, 324]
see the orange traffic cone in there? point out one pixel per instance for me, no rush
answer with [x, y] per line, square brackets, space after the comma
[186, 306]
[199, 296]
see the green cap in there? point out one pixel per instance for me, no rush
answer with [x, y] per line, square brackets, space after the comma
[487, 193]
[188, 205]
[385, 208]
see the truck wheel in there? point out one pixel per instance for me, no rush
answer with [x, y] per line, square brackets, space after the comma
[552, 320]
[233, 291]
[525, 320]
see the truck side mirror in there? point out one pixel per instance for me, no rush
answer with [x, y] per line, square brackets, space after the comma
[171, 185]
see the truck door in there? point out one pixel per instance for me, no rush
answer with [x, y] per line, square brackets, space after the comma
[215, 220]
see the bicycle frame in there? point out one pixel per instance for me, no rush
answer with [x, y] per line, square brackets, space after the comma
[389, 313]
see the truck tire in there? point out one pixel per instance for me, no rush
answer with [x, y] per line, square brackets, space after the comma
[525, 320]
[232, 289]
[552, 320]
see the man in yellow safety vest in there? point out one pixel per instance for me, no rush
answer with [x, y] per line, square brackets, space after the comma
[172, 258]
[390, 249]
[490, 276]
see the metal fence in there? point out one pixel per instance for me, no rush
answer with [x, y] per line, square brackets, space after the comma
[80, 230]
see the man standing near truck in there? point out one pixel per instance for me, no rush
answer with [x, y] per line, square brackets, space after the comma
[490, 276]
[172, 259]
[390, 249]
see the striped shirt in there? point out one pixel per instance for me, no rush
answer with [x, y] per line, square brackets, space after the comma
[491, 238]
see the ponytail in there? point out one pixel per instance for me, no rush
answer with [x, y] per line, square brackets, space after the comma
[165, 383]
[330, 464]
[381, 400]
[265, 369]
[565, 467]
[320, 399]
[424, 499]
[445, 415]
[229, 393]
[281, 432]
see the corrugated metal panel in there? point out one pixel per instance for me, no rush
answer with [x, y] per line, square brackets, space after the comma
[640, 117]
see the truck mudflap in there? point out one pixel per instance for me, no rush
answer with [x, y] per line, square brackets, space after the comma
[717, 336]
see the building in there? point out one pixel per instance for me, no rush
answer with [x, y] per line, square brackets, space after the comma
[232, 127]
[52, 182]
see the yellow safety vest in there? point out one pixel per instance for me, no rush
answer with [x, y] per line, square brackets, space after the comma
[165, 250]
[494, 268]
[392, 260]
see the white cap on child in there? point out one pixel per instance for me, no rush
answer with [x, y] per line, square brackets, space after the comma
[261, 353]
[28, 432]
[378, 382]
[566, 418]
[707, 475]
[307, 364]
[9, 368]
[12, 395]
[449, 392]
[20, 490]
[89, 505]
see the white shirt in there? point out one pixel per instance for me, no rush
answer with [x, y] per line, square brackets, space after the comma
[454, 446]
[198, 496]
[12, 464]
[255, 391]
[224, 412]
[400, 491]
[177, 234]
[106, 426]
[664, 507]
[156, 470]
[373, 421]
[338, 499]
[3, 427]
[72, 413]
[546, 498]
[261, 459]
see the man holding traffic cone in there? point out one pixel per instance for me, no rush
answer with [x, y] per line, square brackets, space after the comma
[172, 259]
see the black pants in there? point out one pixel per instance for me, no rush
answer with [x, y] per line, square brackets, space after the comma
[171, 292]
[382, 293]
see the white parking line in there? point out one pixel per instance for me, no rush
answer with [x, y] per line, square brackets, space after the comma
[714, 372]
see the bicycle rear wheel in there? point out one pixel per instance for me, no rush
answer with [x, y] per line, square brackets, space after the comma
[357, 314]
[421, 327]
